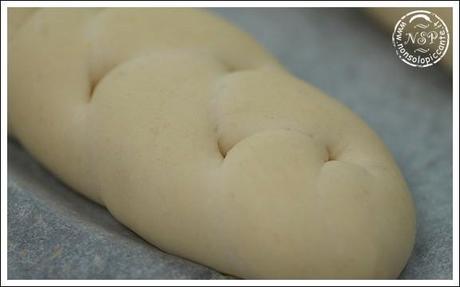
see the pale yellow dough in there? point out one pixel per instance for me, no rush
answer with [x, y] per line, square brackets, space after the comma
[198, 140]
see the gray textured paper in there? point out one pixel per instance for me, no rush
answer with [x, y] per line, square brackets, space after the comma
[55, 233]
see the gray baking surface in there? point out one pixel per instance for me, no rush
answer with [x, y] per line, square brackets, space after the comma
[56, 233]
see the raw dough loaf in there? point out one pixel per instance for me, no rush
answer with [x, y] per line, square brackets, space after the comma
[195, 138]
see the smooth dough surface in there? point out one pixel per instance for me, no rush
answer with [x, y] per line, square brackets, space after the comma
[196, 138]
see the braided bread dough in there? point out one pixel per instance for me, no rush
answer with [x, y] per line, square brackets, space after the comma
[199, 141]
